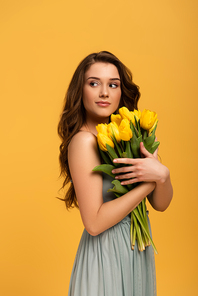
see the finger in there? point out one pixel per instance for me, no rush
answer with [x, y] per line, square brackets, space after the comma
[125, 176]
[126, 160]
[131, 181]
[155, 153]
[122, 170]
[144, 151]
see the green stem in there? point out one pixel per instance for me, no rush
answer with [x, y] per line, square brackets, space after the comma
[133, 237]
[144, 214]
[131, 230]
[145, 134]
[135, 211]
[139, 236]
[144, 207]
[139, 207]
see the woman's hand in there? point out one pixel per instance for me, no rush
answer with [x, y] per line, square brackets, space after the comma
[147, 169]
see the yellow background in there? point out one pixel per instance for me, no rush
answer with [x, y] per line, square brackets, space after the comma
[42, 42]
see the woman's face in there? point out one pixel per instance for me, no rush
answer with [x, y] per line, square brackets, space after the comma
[101, 91]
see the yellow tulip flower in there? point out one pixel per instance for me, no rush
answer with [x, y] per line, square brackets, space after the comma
[113, 130]
[103, 140]
[125, 113]
[116, 118]
[152, 128]
[125, 131]
[137, 113]
[102, 128]
[148, 119]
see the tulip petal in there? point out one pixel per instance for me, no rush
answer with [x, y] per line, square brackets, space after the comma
[125, 130]
[153, 128]
[103, 140]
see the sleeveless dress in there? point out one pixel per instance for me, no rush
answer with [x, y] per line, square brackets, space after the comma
[105, 265]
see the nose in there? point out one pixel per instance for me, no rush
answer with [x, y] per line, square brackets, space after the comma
[104, 92]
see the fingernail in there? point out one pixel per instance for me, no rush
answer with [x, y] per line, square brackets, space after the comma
[113, 171]
[115, 160]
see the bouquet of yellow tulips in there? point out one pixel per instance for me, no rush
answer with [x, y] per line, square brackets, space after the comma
[122, 138]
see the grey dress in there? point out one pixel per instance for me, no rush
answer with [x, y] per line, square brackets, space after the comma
[105, 265]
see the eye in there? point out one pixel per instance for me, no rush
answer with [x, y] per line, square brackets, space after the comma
[113, 85]
[93, 83]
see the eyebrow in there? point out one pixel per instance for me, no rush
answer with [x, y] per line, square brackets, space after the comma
[99, 78]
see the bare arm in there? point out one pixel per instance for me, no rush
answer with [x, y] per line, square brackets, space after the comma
[148, 169]
[161, 197]
[96, 215]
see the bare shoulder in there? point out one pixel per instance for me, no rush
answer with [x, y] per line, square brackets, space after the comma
[83, 147]
[83, 139]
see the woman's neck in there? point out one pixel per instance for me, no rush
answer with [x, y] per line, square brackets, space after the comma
[90, 125]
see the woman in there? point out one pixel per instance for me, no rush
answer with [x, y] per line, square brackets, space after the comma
[105, 265]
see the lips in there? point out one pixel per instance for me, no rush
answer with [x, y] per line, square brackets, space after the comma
[103, 103]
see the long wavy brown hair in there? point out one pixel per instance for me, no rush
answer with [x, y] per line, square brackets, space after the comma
[73, 115]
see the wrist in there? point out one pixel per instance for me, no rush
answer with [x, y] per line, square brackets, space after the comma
[150, 185]
[164, 175]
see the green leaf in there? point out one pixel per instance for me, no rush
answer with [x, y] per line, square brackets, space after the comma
[135, 146]
[111, 151]
[105, 168]
[117, 194]
[153, 131]
[118, 188]
[144, 134]
[124, 155]
[134, 130]
[123, 144]
[105, 157]
[137, 122]
[148, 142]
[128, 150]
[154, 147]
[117, 147]
[130, 186]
